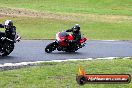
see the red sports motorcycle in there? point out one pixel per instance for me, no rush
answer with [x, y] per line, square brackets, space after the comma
[61, 43]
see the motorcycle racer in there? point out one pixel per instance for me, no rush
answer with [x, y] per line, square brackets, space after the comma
[75, 33]
[10, 30]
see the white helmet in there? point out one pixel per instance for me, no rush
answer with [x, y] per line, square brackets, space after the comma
[8, 24]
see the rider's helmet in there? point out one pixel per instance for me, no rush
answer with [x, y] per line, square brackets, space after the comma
[8, 24]
[76, 28]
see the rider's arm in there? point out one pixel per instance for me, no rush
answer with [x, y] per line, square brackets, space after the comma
[69, 30]
[1, 26]
[14, 30]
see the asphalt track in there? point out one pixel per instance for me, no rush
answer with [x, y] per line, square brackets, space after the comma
[33, 50]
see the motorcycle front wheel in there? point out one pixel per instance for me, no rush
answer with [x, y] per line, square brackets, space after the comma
[50, 47]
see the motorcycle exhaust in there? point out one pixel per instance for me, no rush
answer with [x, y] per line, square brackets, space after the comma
[18, 38]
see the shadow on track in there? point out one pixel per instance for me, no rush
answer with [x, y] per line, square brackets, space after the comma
[6, 57]
[66, 53]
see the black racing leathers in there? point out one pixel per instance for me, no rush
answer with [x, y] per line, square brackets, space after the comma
[1, 26]
[9, 33]
[76, 35]
[1, 33]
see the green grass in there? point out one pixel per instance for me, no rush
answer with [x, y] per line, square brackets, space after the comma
[63, 75]
[99, 19]
[118, 7]
[36, 28]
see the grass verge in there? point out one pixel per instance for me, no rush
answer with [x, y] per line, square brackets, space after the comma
[62, 75]
[46, 28]
[118, 7]
[41, 19]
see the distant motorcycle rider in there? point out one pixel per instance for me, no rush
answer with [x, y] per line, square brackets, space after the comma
[10, 31]
[75, 33]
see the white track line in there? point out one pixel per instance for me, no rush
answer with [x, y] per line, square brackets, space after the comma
[36, 62]
[110, 40]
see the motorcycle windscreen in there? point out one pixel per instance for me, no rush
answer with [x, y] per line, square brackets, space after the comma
[61, 36]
